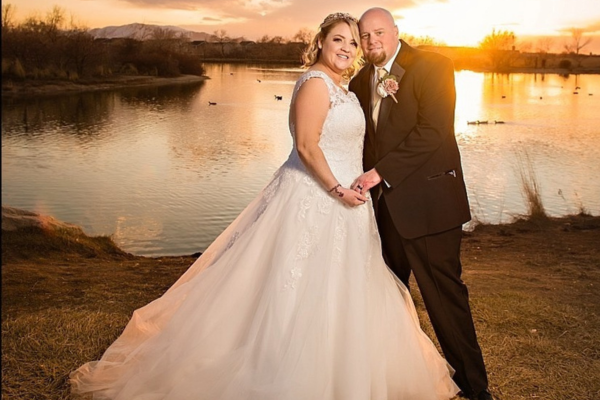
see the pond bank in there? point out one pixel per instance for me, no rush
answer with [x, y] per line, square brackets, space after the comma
[27, 89]
[533, 287]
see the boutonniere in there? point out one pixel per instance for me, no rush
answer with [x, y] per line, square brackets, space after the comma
[388, 86]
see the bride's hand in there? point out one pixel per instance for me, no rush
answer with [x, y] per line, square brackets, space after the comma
[349, 197]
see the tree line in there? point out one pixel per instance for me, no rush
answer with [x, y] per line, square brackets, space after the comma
[502, 46]
[49, 47]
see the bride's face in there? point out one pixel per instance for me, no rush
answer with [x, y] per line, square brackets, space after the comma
[339, 48]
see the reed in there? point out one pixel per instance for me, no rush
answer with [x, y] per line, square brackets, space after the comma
[531, 188]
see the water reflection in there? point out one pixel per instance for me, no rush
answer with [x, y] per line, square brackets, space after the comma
[543, 120]
[164, 172]
[80, 114]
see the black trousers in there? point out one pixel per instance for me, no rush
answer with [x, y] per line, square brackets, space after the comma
[435, 262]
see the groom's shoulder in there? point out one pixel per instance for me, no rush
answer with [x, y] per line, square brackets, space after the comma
[430, 56]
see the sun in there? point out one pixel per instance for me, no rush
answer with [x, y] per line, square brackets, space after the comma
[467, 22]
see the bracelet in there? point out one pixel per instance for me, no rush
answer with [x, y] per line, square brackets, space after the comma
[336, 190]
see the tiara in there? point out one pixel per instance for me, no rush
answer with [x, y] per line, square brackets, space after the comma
[339, 15]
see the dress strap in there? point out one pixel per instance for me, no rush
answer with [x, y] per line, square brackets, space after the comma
[315, 74]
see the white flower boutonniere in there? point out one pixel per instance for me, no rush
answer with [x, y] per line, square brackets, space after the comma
[388, 86]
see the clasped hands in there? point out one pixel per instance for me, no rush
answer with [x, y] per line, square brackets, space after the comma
[356, 195]
[366, 181]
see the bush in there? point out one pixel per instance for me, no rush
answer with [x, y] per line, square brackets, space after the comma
[13, 69]
[156, 64]
[565, 64]
[189, 65]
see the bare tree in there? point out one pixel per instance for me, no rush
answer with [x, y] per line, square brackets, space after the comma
[304, 35]
[545, 44]
[277, 40]
[577, 41]
[221, 37]
[55, 19]
[8, 16]
[166, 40]
[500, 46]
[264, 39]
[81, 53]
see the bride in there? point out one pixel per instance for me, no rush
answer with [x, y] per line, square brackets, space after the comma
[293, 301]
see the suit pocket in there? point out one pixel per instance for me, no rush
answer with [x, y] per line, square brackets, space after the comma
[450, 172]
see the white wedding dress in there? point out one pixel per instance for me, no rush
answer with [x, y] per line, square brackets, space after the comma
[292, 301]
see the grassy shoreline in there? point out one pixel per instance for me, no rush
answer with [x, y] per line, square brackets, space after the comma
[43, 88]
[34, 88]
[533, 287]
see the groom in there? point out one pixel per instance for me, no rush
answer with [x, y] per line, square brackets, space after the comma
[413, 170]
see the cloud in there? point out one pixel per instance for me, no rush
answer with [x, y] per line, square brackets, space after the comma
[226, 7]
[186, 5]
[593, 27]
[272, 11]
[586, 29]
[254, 18]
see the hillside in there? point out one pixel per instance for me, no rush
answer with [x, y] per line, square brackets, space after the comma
[146, 31]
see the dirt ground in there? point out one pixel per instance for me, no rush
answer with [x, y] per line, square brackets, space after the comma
[533, 289]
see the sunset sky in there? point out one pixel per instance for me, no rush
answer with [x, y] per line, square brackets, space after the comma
[455, 22]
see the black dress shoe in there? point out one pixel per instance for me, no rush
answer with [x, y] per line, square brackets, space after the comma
[483, 395]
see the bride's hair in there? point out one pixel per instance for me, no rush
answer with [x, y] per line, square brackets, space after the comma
[313, 52]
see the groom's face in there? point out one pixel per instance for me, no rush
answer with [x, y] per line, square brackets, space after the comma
[378, 37]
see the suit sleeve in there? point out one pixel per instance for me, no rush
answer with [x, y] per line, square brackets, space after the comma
[436, 96]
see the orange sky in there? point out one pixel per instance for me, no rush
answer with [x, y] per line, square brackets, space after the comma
[455, 22]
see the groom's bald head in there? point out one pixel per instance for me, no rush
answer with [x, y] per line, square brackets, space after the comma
[379, 13]
[378, 35]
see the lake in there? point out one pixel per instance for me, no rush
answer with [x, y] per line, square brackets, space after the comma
[164, 172]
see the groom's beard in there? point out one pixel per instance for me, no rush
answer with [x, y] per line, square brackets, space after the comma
[376, 59]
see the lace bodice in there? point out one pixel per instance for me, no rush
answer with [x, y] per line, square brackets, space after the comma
[343, 131]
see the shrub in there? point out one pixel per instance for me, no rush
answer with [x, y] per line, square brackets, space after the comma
[17, 70]
[156, 64]
[189, 65]
[565, 64]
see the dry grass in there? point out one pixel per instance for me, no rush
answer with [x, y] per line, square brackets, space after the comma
[533, 287]
[531, 188]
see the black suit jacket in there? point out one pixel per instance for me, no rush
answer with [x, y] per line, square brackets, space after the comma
[414, 148]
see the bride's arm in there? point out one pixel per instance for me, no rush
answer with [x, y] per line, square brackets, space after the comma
[309, 111]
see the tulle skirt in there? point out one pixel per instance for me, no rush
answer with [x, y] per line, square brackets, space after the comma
[293, 301]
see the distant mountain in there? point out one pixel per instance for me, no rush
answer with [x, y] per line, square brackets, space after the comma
[145, 31]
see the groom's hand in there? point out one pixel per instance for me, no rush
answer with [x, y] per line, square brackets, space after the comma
[366, 181]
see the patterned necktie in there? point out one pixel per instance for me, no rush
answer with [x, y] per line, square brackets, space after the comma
[376, 100]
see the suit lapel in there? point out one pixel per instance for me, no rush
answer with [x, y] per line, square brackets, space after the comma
[398, 71]
[366, 86]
